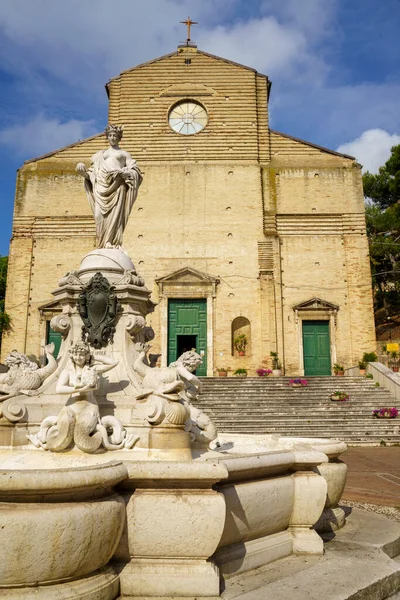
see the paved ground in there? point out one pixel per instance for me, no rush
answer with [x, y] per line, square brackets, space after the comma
[373, 475]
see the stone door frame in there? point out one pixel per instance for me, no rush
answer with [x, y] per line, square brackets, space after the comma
[187, 284]
[316, 309]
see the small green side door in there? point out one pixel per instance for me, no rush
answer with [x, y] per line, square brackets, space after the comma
[55, 337]
[187, 329]
[316, 348]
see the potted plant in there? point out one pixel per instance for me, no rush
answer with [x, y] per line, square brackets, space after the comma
[240, 373]
[362, 366]
[298, 382]
[276, 365]
[240, 343]
[369, 357]
[222, 371]
[263, 372]
[386, 413]
[338, 369]
[340, 396]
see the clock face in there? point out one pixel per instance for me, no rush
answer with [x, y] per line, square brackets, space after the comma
[187, 117]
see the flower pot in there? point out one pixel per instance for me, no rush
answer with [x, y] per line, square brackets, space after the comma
[241, 353]
[339, 374]
[362, 371]
[276, 372]
[296, 385]
[395, 369]
[222, 374]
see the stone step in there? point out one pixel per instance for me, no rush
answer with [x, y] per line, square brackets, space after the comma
[269, 405]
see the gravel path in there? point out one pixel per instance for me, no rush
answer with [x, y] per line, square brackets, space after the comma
[388, 511]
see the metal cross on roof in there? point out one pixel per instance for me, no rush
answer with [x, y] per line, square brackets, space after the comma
[188, 23]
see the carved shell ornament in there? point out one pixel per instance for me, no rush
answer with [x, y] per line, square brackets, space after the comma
[176, 413]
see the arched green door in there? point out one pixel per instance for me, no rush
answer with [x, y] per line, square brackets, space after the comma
[316, 348]
[187, 329]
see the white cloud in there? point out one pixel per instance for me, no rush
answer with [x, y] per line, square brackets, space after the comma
[313, 17]
[91, 41]
[267, 45]
[331, 116]
[372, 148]
[86, 43]
[42, 135]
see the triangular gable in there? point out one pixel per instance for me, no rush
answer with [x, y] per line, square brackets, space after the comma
[171, 54]
[50, 308]
[316, 304]
[98, 136]
[188, 282]
[276, 135]
[187, 274]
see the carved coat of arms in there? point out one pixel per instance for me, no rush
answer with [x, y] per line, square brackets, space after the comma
[98, 310]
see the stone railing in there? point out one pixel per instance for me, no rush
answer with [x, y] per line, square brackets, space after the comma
[385, 377]
[352, 372]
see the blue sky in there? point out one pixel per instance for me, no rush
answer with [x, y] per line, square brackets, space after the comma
[334, 66]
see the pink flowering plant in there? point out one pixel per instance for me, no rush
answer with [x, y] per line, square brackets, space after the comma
[263, 372]
[386, 412]
[298, 382]
[340, 396]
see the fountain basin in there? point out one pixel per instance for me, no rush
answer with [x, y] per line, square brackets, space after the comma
[188, 523]
[58, 526]
[334, 471]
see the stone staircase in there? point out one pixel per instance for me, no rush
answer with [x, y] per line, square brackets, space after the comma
[260, 405]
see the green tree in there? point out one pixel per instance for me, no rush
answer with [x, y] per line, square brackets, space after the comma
[384, 187]
[382, 192]
[4, 318]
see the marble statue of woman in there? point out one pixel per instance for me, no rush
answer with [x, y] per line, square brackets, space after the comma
[111, 185]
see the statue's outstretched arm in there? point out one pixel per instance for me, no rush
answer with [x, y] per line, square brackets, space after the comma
[81, 169]
[106, 363]
[190, 377]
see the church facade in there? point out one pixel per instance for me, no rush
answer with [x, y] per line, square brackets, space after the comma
[237, 229]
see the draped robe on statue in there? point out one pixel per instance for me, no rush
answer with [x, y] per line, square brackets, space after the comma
[111, 196]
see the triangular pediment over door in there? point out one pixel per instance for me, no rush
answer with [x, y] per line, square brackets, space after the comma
[187, 282]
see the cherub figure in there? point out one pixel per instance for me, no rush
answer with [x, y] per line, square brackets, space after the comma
[81, 375]
[80, 421]
[178, 385]
[175, 378]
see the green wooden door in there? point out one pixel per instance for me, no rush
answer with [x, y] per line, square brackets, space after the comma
[55, 337]
[316, 348]
[187, 329]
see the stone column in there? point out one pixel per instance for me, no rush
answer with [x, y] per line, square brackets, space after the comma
[309, 500]
[174, 524]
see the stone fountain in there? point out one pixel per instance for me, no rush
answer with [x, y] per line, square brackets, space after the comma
[113, 483]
